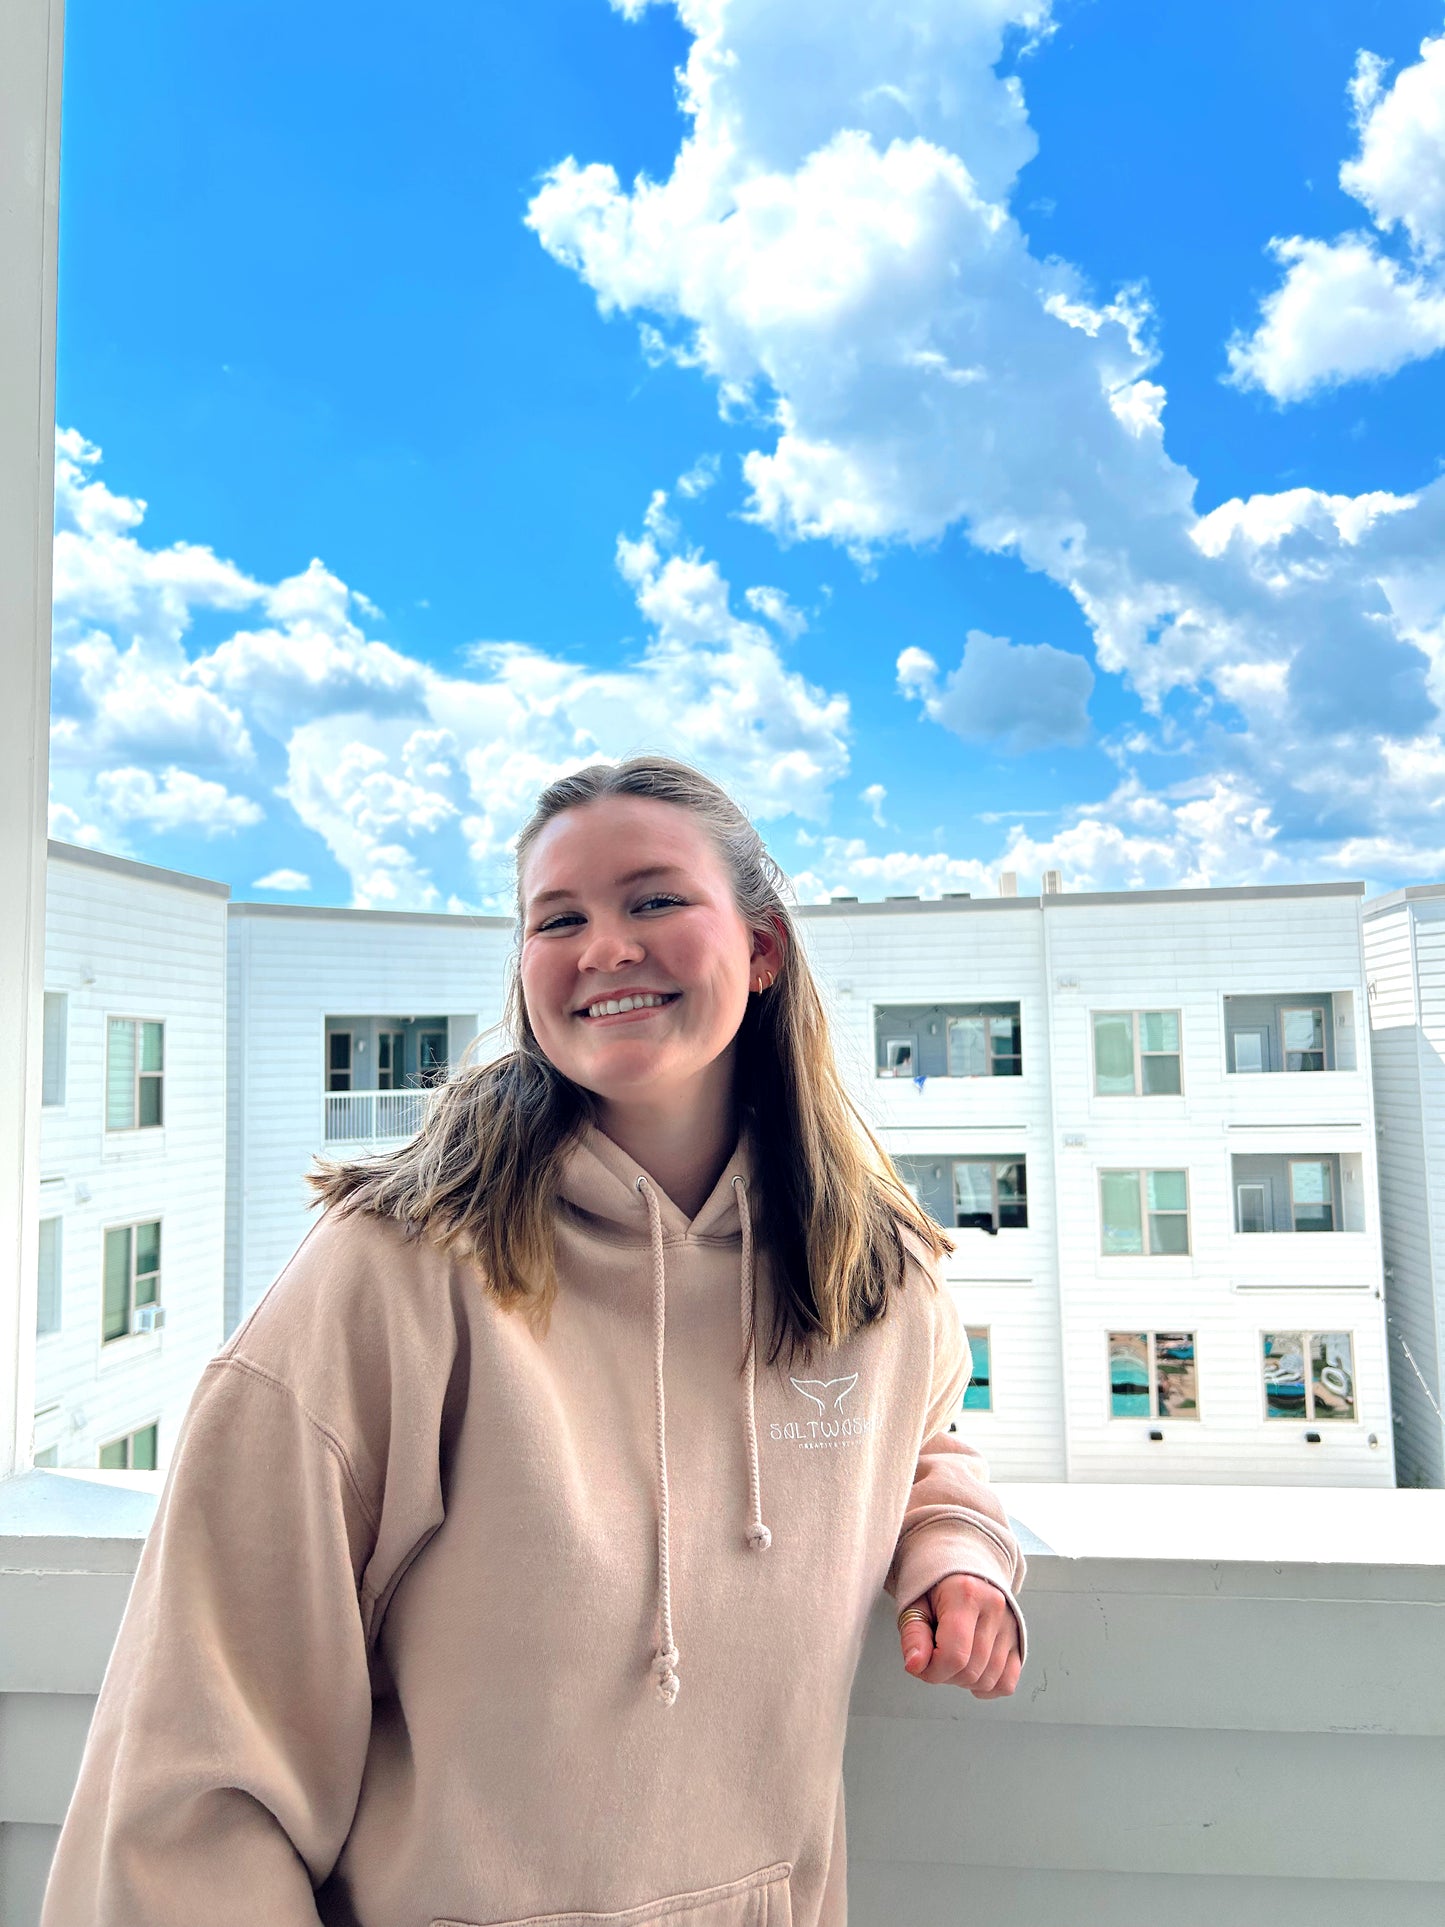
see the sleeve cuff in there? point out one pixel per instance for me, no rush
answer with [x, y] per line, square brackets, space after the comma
[943, 1546]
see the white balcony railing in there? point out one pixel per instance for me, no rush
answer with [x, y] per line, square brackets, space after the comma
[354, 1117]
[1233, 1711]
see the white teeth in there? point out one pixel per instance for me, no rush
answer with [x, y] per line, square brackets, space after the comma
[614, 1006]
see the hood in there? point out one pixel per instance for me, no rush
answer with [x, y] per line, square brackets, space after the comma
[605, 1186]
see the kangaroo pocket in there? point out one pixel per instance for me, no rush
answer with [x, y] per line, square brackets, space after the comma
[761, 1899]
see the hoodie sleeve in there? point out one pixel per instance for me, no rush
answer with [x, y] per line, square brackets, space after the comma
[954, 1521]
[225, 1755]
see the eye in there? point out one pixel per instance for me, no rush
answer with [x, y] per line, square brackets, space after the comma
[560, 921]
[662, 897]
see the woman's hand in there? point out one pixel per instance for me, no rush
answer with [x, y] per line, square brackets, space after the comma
[974, 1641]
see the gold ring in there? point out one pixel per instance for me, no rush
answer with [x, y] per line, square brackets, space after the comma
[914, 1612]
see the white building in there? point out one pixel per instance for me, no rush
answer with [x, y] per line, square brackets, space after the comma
[132, 1160]
[337, 1020]
[1111, 1112]
[1405, 961]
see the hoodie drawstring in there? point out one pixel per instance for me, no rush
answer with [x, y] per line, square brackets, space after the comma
[667, 1659]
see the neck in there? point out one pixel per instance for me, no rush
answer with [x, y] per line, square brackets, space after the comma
[682, 1139]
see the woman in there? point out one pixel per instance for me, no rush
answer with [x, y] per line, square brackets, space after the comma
[497, 1576]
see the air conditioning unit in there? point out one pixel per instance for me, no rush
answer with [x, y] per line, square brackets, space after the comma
[1008, 883]
[150, 1318]
[1052, 883]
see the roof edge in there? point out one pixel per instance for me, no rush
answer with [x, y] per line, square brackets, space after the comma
[58, 852]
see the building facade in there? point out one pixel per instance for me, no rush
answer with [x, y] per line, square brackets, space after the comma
[1404, 937]
[1148, 1117]
[337, 1023]
[132, 1160]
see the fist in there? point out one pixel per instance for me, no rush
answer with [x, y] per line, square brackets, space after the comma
[974, 1641]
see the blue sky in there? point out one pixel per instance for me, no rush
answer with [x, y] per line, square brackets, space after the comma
[986, 435]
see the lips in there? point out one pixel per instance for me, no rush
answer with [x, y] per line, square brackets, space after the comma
[609, 1009]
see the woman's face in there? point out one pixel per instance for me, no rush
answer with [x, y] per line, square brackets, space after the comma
[627, 898]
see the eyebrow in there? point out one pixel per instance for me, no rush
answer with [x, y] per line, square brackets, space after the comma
[632, 876]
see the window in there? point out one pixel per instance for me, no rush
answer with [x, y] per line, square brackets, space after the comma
[1311, 1195]
[50, 1456]
[979, 1396]
[990, 1196]
[1304, 1038]
[47, 1296]
[136, 1452]
[134, 1074]
[1152, 1375]
[947, 1040]
[132, 1276]
[338, 1060]
[390, 1059]
[1328, 1392]
[52, 1075]
[984, 1044]
[1249, 1049]
[1144, 1213]
[1252, 1212]
[432, 1057]
[1136, 1053]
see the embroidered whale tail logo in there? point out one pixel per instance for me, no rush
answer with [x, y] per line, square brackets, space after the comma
[817, 1389]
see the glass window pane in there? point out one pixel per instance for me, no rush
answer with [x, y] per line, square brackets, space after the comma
[1159, 1030]
[143, 1449]
[150, 1101]
[1119, 1204]
[152, 1047]
[112, 1456]
[1013, 1208]
[1161, 1076]
[966, 1056]
[1114, 1055]
[1169, 1234]
[52, 1076]
[1167, 1191]
[1004, 1046]
[1304, 1030]
[1174, 1366]
[900, 1057]
[973, 1195]
[1248, 1050]
[1284, 1375]
[1253, 1214]
[47, 1297]
[1129, 1374]
[120, 1074]
[979, 1396]
[1332, 1375]
[1312, 1196]
[115, 1321]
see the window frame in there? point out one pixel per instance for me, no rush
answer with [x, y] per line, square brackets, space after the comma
[429, 1075]
[1142, 1172]
[54, 1069]
[984, 1332]
[132, 1226]
[395, 1054]
[1287, 1011]
[1135, 1017]
[1306, 1338]
[127, 1439]
[992, 1165]
[328, 1070]
[1154, 1416]
[1332, 1200]
[138, 1074]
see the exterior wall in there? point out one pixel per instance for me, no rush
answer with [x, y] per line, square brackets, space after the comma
[1169, 951]
[985, 952]
[123, 939]
[291, 969]
[1403, 949]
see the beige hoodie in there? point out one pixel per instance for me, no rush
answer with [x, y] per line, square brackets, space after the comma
[439, 1622]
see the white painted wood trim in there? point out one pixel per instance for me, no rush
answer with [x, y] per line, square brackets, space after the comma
[30, 63]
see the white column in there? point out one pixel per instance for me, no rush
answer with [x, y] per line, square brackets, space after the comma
[30, 56]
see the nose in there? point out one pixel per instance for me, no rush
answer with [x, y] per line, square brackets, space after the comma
[609, 947]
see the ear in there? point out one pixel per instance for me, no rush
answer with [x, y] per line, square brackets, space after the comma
[769, 948]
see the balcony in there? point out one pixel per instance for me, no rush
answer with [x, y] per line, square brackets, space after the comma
[373, 1117]
[1233, 1711]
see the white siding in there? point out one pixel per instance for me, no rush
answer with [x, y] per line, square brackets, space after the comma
[127, 940]
[1405, 947]
[1188, 955]
[290, 969]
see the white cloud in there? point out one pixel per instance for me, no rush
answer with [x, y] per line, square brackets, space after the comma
[1015, 696]
[181, 800]
[774, 606]
[874, 796]
[700, 477]
[1345, 309]
[283, 880]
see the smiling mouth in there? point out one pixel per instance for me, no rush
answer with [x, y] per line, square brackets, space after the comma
[637, 1004]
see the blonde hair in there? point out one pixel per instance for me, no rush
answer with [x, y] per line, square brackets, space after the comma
[481, 1177]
